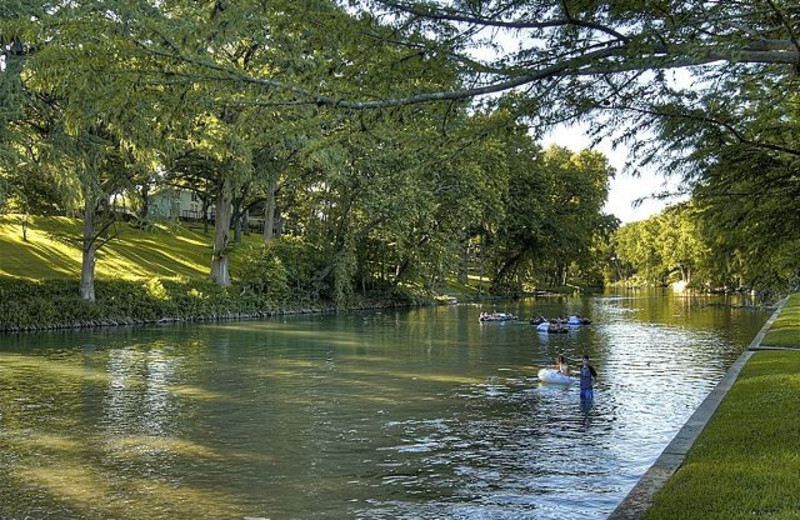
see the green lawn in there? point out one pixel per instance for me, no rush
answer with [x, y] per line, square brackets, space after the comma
[165, 252]
[746, 463]
[785, 332]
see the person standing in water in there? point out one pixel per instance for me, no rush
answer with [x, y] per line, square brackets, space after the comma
[588, 377]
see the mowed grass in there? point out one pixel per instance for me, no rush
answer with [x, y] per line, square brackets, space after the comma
[52, 252]
[746, 464]
[785, 332]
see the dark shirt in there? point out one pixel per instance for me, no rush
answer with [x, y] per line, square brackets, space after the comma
[587, 373]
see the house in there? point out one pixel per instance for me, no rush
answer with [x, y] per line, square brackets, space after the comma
[174, 203]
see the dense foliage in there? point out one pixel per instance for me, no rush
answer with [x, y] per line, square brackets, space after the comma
[26, 305]
[350, 127]
[384, 202]
[662, 249]
[697, 245]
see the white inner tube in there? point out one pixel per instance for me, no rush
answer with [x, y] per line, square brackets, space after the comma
[551, 375]
[543, 327]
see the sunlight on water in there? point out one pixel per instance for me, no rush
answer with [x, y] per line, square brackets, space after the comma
[415, 414]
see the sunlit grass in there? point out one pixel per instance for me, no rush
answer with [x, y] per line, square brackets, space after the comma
[746, 462]
[785, 332]
[53, 251]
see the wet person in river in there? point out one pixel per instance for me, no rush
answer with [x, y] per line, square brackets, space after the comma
[588, 378]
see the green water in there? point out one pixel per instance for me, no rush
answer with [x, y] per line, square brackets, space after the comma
[413, 414]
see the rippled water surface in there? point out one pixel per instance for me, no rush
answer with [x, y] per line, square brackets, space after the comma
[413, 414]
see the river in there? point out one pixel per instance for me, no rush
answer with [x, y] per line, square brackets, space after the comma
[409, 414]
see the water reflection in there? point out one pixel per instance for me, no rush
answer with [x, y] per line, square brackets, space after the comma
[408, 414]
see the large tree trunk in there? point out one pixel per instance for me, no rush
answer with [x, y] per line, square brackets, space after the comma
[220, 272]
[205, 218]
[269, 213]
[145, 195]
[463, 268]
[506, 268]
[89, 250]
[237, 221]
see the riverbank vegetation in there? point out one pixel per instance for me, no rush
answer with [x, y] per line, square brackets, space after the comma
[355, 140]
[744, 465]
[692, 245]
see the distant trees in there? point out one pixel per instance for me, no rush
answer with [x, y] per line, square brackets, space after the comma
[707, 246]
[663, 248]
[737, 149]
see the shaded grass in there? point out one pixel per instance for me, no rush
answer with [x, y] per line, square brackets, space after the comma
[474, 287]
[785, 332]
[52, 251]
[746, 462]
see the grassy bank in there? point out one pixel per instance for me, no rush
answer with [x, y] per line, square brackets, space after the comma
[745, 463]
[785, 332]
[158, 274]
[153, 275]
[54, 304]
[143, 276]
[52, 251]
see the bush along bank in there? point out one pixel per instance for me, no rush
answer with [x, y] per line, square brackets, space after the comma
[55, 304]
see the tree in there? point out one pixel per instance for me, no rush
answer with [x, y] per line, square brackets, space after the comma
[667, 247]
[390, 198]
[637, 244]
[554, 212]
[576, 52]
[89, 138]
[739, 154]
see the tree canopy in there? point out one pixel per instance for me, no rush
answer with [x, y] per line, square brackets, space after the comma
[395, 139]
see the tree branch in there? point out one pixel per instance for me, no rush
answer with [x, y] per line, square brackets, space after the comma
[493, 22]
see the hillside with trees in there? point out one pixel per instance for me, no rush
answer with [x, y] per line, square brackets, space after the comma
[364, 138]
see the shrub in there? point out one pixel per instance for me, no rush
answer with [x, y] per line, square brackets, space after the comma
[300, 260]
[155, 289]
[263, 273]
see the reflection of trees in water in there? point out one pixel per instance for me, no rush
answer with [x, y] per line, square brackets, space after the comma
[692, 310]
[159, 407]
[138, 399]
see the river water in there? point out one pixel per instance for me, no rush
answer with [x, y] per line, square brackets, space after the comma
[410, 414]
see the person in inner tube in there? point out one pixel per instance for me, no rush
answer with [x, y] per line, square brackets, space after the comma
[562, 365]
